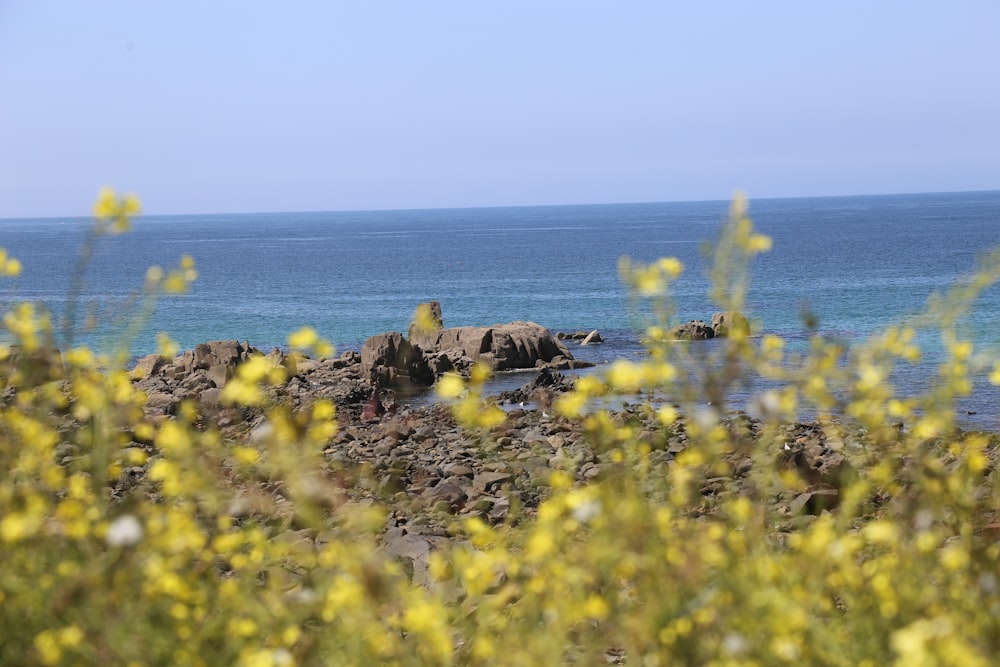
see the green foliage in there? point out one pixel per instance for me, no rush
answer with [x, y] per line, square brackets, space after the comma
[138, 541]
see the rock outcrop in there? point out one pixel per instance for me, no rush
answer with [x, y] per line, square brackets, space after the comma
[199, 375]
[723, 324]
[390, 359]
[355, 382]
[693, 330]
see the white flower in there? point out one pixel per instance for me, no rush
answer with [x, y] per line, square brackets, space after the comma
[587, 510]
[124, 531]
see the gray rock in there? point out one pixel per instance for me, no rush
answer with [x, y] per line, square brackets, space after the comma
[693, 330]
[486, 481]
[726, 322]
[389, 360]
[423, 337]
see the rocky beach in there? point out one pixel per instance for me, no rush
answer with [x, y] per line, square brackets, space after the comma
[419, 464]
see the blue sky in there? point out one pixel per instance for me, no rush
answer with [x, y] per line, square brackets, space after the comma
[224, 106]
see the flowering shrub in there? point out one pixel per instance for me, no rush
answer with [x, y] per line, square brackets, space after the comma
[708, 537]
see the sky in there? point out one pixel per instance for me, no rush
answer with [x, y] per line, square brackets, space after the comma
[243, 106]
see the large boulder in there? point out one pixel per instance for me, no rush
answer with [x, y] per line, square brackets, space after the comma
[524, 345]
[502, 347]
[725, 323]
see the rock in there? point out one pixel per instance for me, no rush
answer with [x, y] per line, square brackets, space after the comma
[161, 403]
[147, 366]
[439, 364]
[522, 345]
[450, 490]
[591, 338]
[31, 368]
[219, 374]
[693, 330]
[486, 481]
[413, 550]
[815, 501]
[228, 353]
[389, 360]
[423, 336]
[501, 347]
[726, 322]
[456, 342]
[540, 390]
[500, 511]
[211, 397]
[459, 470]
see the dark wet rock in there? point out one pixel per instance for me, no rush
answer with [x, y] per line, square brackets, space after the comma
[578, 336]
[693, 330]
[539, 390]
[389, 360]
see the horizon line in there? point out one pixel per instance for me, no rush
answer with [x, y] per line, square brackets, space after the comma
[500, 206]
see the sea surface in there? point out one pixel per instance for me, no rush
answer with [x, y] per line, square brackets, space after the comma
[853, 264]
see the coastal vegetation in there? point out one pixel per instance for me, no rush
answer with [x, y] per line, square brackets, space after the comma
[605, 526]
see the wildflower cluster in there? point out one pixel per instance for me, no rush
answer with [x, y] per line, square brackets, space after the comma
[867, 537]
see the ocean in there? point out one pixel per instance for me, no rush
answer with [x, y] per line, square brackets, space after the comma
[854, 264]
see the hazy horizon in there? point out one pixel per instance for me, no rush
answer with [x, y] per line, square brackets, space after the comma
[723, 202]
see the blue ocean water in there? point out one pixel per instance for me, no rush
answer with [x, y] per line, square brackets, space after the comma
[854, 263]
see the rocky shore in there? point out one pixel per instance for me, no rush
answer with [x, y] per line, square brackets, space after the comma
[420, 465]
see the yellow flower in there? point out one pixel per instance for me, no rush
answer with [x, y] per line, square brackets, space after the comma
[424, 319]
[9, 266]
[596, 608]
[450, 386]
[106, 203]
[671, 266]
[303, 339]
[625, 375]
[479, 373]
[17, 526]
[114, 215]
[759, 243]
[667, 415]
